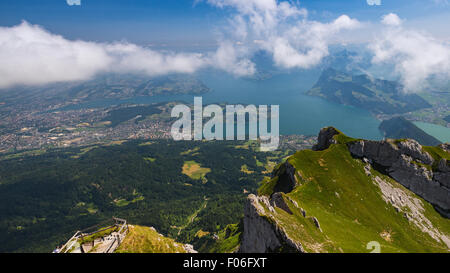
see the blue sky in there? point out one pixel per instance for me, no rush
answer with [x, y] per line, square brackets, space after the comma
[183, 22]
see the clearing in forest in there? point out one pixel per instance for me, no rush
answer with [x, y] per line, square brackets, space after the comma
[194, 170]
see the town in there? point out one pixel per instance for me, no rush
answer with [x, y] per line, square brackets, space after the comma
[37, 129]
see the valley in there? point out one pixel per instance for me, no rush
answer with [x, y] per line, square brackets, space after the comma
[46, 195]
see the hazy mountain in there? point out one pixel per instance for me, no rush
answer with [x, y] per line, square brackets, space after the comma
[111, 86]
[401, 128]
[348, 61]
[377, 96]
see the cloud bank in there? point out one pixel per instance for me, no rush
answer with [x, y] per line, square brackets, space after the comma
[417, 56]
[31, 55]
[283, 30]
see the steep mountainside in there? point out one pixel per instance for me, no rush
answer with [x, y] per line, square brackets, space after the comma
[348, 195]
[377, 96]
[400, 128]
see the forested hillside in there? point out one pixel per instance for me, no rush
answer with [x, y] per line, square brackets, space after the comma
[186, 190]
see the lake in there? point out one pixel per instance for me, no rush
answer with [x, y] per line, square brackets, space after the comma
[440, 132]
[299, 113]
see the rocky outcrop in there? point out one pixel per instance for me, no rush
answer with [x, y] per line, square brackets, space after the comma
[261, 232]
[287, 180]
[189, 248]
[277, 200]
[387, 153]
[411, 207]
[407, 163]
[443, 174]
[316, 223]
[445, 147]
[325, 138]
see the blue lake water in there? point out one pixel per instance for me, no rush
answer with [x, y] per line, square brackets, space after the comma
[299, 113]
[440, 132]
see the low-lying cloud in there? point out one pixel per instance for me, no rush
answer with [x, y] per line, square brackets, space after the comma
[417, 56]
[282, 29]
[31, 55]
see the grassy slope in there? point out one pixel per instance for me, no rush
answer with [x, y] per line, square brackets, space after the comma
[146, 240]
[350, 208]
[228, 239]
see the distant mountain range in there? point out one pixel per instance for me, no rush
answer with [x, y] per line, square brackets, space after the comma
[348, 61]
[125, 86]
[401, 128]
[108, 86]
[377, 96]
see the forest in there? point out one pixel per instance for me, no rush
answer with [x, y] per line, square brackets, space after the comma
[47, 196]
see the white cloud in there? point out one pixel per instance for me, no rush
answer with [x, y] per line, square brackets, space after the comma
[31, 55]
[73, 2]
[282, 29]
[306, 44]
[416, 55]
[374, 2]
[391, 19]
[232, 60]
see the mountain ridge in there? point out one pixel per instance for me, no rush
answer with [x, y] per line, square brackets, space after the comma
[375, 95]
[401, 128]
[338, 199]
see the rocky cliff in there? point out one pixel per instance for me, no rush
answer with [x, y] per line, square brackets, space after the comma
[258, 224]
[408, 163]
[349, 192]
